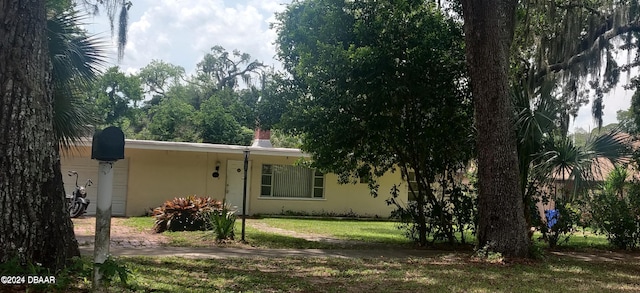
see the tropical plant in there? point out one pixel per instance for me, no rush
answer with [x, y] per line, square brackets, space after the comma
[76, 60]
[562, 160]
[222, 222]
[617, 181]
[113, 267]
[185, 214]
[552, 167]
[569, 171]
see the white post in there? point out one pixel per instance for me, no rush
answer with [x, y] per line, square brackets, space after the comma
[103, 219]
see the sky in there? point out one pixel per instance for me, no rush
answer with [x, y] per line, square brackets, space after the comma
[181, 32]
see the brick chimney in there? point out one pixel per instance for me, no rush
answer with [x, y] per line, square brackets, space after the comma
[262, 138]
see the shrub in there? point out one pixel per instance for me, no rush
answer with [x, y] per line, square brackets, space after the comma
[618, 217]
[185, 214]
[559, 227]
[453, 212]
[223, 222]
[112, 268]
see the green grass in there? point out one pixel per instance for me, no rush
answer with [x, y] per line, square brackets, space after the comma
[140, 223]
[581, 241]
[446, 272]
[587, 239]
[365, 231]
[254, 237]
[368, 233]
[439, 272]
[263, 239]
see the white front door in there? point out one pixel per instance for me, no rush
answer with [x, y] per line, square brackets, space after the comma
[235, 184]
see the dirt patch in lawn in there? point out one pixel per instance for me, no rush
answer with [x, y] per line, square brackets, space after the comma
[121, 234]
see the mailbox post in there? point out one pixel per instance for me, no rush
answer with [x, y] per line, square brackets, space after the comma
[107, 147]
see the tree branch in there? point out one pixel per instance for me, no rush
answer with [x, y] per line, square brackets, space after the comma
[598, 44]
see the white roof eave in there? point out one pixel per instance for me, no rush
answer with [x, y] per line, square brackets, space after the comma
[209, 148]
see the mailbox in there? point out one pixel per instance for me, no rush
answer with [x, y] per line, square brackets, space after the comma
[108, 145]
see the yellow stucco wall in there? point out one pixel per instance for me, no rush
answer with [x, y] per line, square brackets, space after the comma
[338, 199]
[155, 176]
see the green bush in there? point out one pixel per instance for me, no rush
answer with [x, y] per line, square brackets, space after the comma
[185, 214]
[452, 213]
[618, 216]
[565, 222]
[112, 268]
[222, 222]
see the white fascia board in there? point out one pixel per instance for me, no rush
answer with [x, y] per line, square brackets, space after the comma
[277, 152]
[209, 148]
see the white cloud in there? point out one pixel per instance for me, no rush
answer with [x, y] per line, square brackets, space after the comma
[181, 32]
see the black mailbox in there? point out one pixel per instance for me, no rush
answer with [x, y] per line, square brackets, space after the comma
[108, 145]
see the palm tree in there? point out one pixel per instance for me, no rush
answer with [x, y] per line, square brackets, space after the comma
[76, 59]
[546, 153]
[562, 159]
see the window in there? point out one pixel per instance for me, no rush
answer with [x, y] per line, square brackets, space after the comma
[412, 191]
[284, 181]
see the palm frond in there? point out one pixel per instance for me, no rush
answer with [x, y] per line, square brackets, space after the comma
[613, 146]
[76, 60]
[565, 161]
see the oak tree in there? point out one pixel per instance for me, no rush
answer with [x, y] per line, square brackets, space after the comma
[489, 28]
[35, 226]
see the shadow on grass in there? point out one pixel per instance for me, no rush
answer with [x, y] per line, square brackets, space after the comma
[441, 273]
[268, 240]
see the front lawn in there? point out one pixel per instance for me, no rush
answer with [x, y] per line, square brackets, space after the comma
[366, 234]
[253, 236]
[354, 230]
[595, 271]
[380, 232]
[445, 272]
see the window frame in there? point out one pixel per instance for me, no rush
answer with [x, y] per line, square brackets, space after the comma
[411, 181]
[268, 173]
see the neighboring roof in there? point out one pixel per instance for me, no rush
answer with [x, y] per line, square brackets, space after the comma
[203, 147]
[600, 169]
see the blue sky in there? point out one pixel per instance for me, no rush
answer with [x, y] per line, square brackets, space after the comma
[182, 31]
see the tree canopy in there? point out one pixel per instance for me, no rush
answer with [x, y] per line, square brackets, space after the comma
[571, 50]
[221, 103]
[377, 85]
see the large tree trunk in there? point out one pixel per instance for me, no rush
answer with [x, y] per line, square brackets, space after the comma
[34, 224]
[489, 27]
